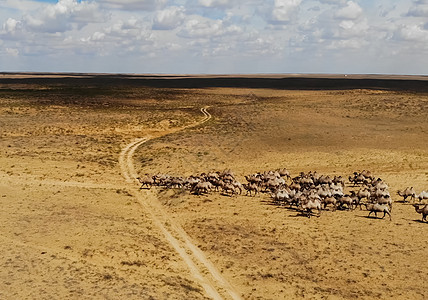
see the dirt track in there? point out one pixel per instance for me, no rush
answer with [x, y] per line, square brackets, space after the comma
[195, 259]
[72, 227]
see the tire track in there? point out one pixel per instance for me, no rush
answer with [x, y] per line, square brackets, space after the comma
[206, 274]
[31, 180]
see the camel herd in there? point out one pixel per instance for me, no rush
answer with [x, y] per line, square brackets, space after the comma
[309, 193]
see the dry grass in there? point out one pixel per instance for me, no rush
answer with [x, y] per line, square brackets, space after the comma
[71, 227]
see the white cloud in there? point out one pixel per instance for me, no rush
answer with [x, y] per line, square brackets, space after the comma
[419, 9]
[12, 51]
[332, 1]
[147, 5]
[284, 11]
[412, 33]
[351, 11]
[63, 15]
[347, 44]
[350, 28]
[216, 3]
[98, 36]
[200, 35]
[11, 25]
[199, 27]
[169, 18]
[20, 5]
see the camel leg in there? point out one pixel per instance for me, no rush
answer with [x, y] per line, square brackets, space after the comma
[384, 213]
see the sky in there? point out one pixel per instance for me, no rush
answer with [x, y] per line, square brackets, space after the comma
[215, 36]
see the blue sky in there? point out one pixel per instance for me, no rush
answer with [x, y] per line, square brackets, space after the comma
[215, 36]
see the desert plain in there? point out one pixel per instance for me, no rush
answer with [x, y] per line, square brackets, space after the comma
[75, 225]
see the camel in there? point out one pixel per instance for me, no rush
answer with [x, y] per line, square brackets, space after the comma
[339, 180]
[346, 199]
[367, 174]
[295, 186]
[251, 187]
[202, 187]
[336, 186]
[160, 179]
[237, 185]
[280, 196]
[423, 211]
[175, 182]
[228, 188]
[213, 175]
[308, 205]
[324, 192]
[146, 181]
[216, 183]
[377, 194]
[357, 179]
[271, 184]
[422, 196]
[408, 192]
[356, 200]
[337, 193]
[306, 182]
[376, 207]
[380, 185]
[227, 175]
[363, 193]
[324, 179]
[252, 179]
[284, 173]
[385, 200]
[191, 182]
[330, 200]
[358, 196]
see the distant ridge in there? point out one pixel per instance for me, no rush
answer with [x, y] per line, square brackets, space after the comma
[414, 83]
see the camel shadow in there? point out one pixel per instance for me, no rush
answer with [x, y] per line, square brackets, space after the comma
[270, 202]
[145, 188]
[227, 195]
[420, 221]
[195, 193]
[305, 214]
[278, 205]
[403, 202]
[373, 217]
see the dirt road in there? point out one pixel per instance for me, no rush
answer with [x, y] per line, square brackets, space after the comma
[214, 284]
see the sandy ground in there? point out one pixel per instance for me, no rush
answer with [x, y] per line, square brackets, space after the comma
[74, 224]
